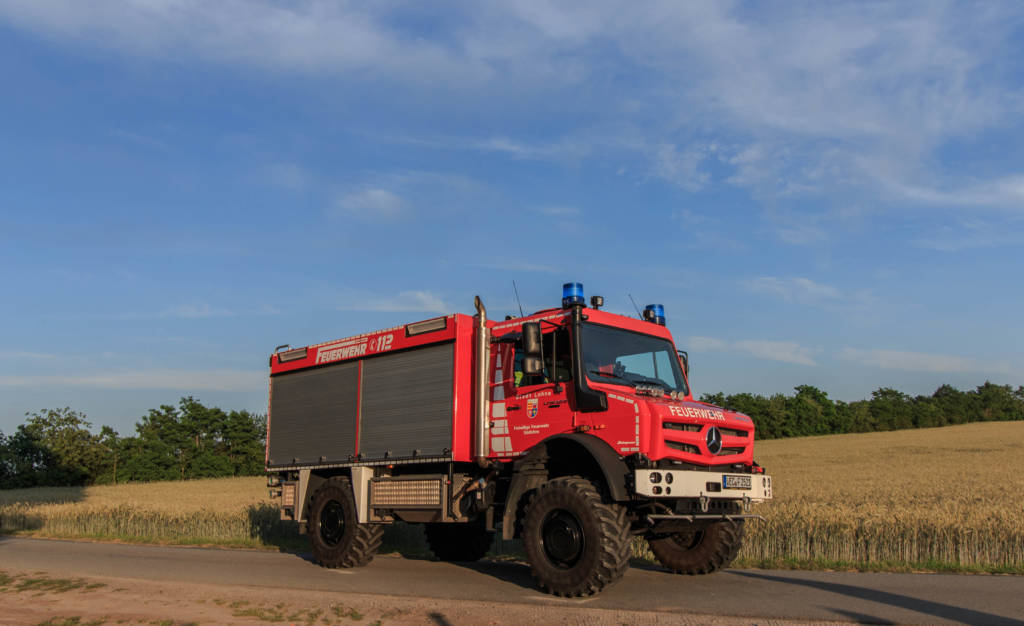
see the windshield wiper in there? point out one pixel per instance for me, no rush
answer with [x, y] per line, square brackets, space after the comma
[610, 375]
[647, 380]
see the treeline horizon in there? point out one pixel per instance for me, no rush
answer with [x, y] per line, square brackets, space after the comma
[57, 447]
[809, 411]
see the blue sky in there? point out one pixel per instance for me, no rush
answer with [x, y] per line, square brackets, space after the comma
[819, 193]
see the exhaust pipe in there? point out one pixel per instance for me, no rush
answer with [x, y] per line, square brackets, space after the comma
[481, 386]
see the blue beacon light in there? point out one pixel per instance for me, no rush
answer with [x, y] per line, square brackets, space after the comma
[572, 294]
[656, 314]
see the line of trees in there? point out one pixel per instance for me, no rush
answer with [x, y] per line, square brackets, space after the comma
[57, 447]
[809, 411]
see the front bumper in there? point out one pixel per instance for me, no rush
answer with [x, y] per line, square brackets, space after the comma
[677, 484]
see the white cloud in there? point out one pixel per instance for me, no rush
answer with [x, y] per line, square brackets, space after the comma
[970, 234]
[1002, 192]
[387, 196]
[372, 204]
[706, 344]
[806, 291]
[781, 351]
[412, 301]
[313, 36]
[920, 361]
[680, 166]
[181, 380]
[569, 148]
[800, 98]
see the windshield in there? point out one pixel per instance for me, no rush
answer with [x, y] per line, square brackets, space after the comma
[613, 355]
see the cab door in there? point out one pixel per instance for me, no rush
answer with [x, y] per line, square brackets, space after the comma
[539, 406]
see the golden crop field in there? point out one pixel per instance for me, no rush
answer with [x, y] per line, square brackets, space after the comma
[939, 497]
[232, 511]
[943, 498]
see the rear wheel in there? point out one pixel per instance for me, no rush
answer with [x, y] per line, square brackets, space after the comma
[577, 544]
[459, 542]
[699, 551]
[338, 539]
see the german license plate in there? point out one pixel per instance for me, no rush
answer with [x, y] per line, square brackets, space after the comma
[735, 482]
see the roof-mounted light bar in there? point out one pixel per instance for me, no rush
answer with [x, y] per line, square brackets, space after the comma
[655, 313]
[572, 295]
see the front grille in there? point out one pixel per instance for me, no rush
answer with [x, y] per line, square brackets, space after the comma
[685, 447]
[691, 428]
[732, 432]
[693, 439]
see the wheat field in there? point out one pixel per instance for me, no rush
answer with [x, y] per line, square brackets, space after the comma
[226, 511]
[951, 496]
[943, 498]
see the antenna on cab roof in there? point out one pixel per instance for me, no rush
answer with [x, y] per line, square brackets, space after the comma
[638, 313]
[517, 298]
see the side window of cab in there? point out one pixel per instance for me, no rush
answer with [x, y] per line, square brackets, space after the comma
[555, 341]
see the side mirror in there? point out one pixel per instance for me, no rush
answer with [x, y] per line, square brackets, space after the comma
[533, 362]
[531, 339]
[532, 365]
[685, 358]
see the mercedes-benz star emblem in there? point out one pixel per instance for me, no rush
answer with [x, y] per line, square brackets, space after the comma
[714, 440]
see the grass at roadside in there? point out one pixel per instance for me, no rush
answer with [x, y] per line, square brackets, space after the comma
[944, 499]
[40, 583]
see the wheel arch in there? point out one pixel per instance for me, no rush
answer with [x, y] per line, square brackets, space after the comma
[564, 455]
[309, 482]
[586, 455]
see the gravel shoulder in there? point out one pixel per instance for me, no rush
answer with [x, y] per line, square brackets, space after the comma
[109, 600]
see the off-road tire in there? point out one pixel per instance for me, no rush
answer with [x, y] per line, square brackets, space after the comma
[458, 542]
[588, 539]
[338, 539]
[701, 551]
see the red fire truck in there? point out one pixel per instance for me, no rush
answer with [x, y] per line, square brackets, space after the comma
[574, 429]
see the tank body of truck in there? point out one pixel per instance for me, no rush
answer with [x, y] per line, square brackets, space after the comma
[573, 429]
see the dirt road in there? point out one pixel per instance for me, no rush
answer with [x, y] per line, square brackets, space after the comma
[181, 585]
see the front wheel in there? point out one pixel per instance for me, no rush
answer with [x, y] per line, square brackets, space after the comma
[699, 551]
[577, 544]
[338, 539]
